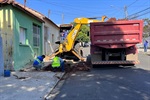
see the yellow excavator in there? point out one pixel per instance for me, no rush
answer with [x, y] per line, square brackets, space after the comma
[69, 46]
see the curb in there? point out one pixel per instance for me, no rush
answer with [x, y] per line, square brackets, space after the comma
[47, 97]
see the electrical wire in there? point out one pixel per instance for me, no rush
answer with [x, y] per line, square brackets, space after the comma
[66, 6]
[73, 11]
[139, 15]
[130, 16]
[79, 12]
[70, 7]
[132, 3]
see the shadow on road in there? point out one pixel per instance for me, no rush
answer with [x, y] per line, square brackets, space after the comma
[108, 83]
[148, 54]
[109, 67]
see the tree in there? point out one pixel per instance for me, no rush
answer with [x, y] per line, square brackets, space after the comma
[83, 34]
[146, 28]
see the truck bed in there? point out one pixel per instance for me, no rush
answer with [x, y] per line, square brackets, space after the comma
[119, 34]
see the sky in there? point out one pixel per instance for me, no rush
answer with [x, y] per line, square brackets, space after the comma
[65, 11]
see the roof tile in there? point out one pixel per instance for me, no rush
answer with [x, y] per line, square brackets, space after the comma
[26, 9]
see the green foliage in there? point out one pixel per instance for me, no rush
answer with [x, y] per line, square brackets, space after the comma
[83, 34]
[85, 29]
[145, 35]
[146, 28]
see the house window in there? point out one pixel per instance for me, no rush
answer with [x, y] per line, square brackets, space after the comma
[45, 33]
[36, 35]
[22, 36]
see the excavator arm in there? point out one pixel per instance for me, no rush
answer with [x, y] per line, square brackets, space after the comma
[70, 39]
[68, 44]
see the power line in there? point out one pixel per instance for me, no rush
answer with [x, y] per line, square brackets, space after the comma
[132, 3]
[142, 5]
[71, 7]
[79, 12]
[66, 6]
[140, 13]
[125, 9]
[72, 11]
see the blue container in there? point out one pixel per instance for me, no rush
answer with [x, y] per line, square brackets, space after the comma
[7, 73]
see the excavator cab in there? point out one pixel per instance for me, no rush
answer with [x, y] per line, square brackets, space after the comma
[67, 27]
[64, 30]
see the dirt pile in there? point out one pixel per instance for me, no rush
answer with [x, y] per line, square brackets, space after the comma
[80, 66]
[69, 67]
[114, 20]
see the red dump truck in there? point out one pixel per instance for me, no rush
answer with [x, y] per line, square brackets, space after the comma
[115, 42]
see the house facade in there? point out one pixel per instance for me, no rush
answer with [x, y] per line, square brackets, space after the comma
[51, 35]
[22, 33]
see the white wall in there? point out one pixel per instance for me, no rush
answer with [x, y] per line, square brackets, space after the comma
[50, 42]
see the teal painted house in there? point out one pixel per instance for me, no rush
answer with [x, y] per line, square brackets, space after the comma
[21, 31]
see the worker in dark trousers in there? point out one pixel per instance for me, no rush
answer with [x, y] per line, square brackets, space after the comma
[38, 62]
[145, 45]
[57, 64]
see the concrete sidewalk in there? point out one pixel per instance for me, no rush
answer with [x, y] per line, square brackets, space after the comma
[30, 85]
[142, 51]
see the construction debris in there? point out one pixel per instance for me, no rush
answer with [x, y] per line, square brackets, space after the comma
[114, 20]
[111, 20]
[47, 58]
[82, 66]
[71, 67]
[17, 77]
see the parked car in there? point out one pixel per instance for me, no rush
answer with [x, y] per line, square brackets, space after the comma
[86, 44]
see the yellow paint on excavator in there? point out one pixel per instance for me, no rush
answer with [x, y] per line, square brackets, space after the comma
[68, 44]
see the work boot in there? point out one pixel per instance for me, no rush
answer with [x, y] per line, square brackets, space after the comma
[38, 69]
[54, 70]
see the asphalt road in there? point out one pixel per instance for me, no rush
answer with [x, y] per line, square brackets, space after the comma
[109, 83]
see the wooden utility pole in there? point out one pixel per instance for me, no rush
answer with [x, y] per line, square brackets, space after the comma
[62, 18]
[125, 12]
[49, 13]
[25, 3]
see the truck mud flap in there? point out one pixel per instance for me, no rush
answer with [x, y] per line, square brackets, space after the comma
[114, 62]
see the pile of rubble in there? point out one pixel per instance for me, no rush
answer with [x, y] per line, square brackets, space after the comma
[81, 66]
[114, 20]
[71, 67]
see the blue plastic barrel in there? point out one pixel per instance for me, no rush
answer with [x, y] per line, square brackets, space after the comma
[7, 73]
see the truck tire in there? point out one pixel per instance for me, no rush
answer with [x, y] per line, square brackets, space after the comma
[106, 56]
[122, 55]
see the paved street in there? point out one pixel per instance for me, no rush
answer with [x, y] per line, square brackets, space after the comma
[109, 83]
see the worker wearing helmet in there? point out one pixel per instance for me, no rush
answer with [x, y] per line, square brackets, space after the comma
[38, 62]
[57, 63]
